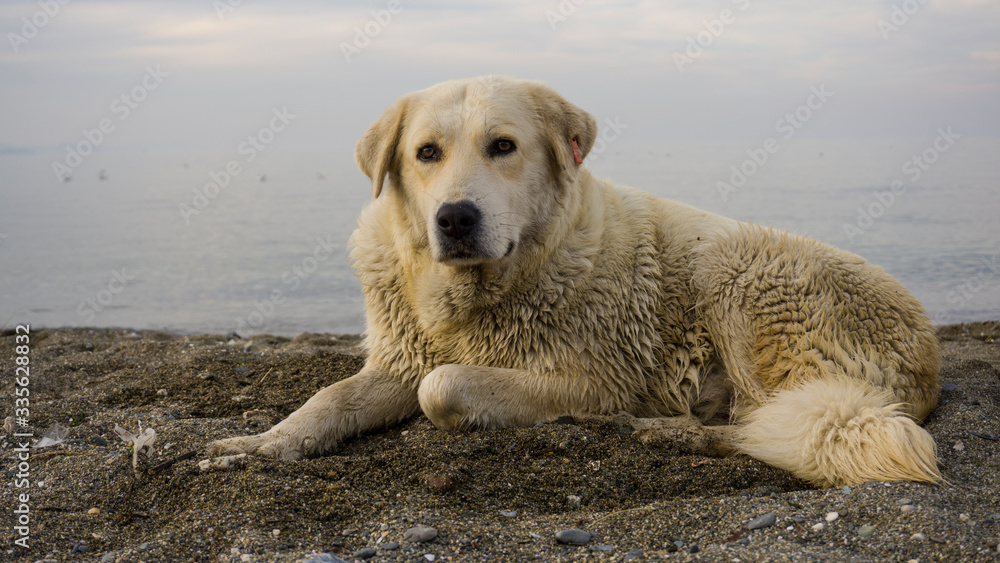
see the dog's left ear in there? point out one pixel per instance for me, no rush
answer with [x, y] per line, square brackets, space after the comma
[571, 131]
[376, 151]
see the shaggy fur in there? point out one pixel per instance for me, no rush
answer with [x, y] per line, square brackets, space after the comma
[566, 295]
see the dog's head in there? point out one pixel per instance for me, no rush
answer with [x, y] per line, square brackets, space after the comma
[480, 164]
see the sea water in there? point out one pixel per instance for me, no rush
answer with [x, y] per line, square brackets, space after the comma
[143, 240]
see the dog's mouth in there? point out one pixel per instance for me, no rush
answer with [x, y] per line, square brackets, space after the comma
[453, 255]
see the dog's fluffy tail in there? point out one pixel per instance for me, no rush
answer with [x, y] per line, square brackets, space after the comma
[840, 431]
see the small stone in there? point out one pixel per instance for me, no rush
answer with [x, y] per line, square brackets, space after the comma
[866, 530]
[161, 392]
[80, 548]
[907, 508]
[634, 554]
[831, 516]
[694, 548]
[950, 387]
[964, 517]
[324, 558]
[573, 537]
[818, 527]
[420, 534]
[109, 557]
[246, 558]
[143, 546]
[366, 553]
[98, 441]
[348, 531]
[390, 546]
[764, 521]
[846, 490]
[602, 547]
[440, 482]
[959, 446]
[508, 513]
[573, 501]
[903, 501]
[797, 519]
[275, 532]
[918, 537]
[430, 556]
[94, 511]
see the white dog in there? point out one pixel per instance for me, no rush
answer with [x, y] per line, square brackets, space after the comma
[506, 286]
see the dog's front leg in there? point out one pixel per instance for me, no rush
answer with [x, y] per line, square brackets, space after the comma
[459, 396]
[370, 399]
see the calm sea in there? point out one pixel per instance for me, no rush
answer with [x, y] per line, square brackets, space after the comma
[128, 243]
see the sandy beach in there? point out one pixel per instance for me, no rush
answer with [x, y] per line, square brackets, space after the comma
[489, 496]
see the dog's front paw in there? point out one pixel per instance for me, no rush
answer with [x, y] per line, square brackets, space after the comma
[279, 445]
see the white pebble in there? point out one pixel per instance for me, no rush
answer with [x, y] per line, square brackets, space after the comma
[429, 556]
[918, 537]
[275, 532]
[246, 558]
[818, 527]
[832, 516]
[959, 446]
[907, 508]
[963, 517]
[790, 528]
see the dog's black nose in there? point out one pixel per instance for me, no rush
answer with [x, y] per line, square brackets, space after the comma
[457, 219]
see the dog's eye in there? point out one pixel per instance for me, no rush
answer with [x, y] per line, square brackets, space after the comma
[428, 153]
[501, 147]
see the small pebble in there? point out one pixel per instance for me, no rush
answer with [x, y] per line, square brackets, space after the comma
[764, 521]
[429, 556]
[634, 554]
[109, 557]
[94, 510]
[80, 548]
[818, 527]
[846, 490]
[419, 534]
[390, 546]
[509, 513]
[366, 553]
[143, 546]
[161, 392]
[275, 532]
[573, 501]
[906, 508]
[324, 558]
[98, 441]
[830, 517]
[866, 530]
[246, 558]
[959, 446]
[903, 501]
[602, 547]
[918, 537]
[797, 519]
[573, 537]
[964, 517]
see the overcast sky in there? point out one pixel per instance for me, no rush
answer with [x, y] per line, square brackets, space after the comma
[210, 72]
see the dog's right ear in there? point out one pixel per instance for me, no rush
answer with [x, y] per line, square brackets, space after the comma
[376, 151]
